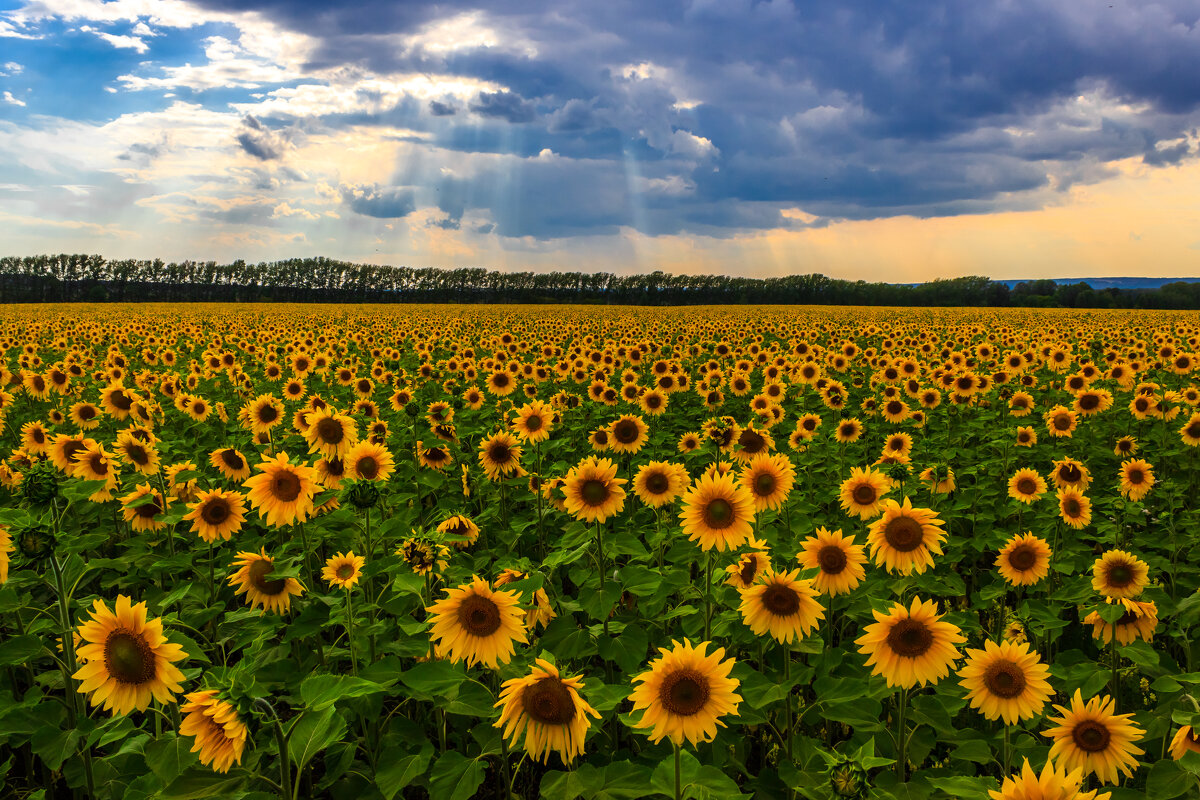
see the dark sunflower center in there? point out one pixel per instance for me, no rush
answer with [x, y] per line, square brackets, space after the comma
[893, 407]
[1071, 506]
[1023, 436]
[751, 442]
[479, 616]
[719, 513]
[98, 464]
[533, 422]
[904, 534]
[215, 511]
[232, 459]
[896, 444]
[910, 638]
[267, 414]
[345, 571]
[832, 559]
[330, 431]
[1136, 476]
[1027, 486]
[782, 601]
[847, 431]
[335, 467]
[1091, 736]
[657, 483]
[549, 702]
[500, 379]
[594, 492]
[1004, 679]
[1128, 618]
[435, 455]
[1089, 401]
[120, 400]
[625, 431]
[128, 657]
[149, 510]
[87, 412]
[367, 467]
[864, 494]
[684, 692]
[259, 571]
[1120, 576]
[137, 455]
[1062, 422]
[285, 486]
[1193, 430]
[809, 424]
[499, 453]
[1070, 473]
[1022, 558]
[749, 570]
[764, 484]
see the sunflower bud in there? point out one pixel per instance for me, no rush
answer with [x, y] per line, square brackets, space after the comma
[362, 494]
[40, 485]
[848, 779]
[412, 409]
[35, 544]
[898, 472]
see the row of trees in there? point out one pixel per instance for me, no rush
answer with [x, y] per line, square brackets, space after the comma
[92, 278]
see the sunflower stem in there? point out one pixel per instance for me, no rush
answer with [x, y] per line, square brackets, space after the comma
[707, 594]
[787, 702]
[901, 738]
[68, 643]
[1115, 686]
[350, 631]
[678, 776]
[1007, 752]
[308, 567]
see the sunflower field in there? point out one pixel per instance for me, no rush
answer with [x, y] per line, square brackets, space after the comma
[457, 552]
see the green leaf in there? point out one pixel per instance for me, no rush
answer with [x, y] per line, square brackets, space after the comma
[54, 746]
[312, 733]
[1167, 780]
[700, 782]
[319, 691]
[19, 649]
[168, 756]
[199, 782]
[398, 771]
[432, 679]
[455, 777]
[628, 650]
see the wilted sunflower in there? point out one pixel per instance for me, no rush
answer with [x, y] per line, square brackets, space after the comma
[220, 735]
[500, 456]
[749, 565]
[126, 659]
[1138, 622]
[475, 624]
[231, 463]
[684, 692]
[342, 570]
[329, 433]
[282, 492]
[144, 515]
[1092, 738]
[905, 538]
[1051, 784]
[217, 514]
[1006, 681]
[273, 594]
[462, 528]
[424, 557]
[593, 491]
[1136, 478]
[837, 558]
[659, 483]
[1183, 742]
[549, 709]
[862, 493]
[782, 605]
[717, 511]
[368, 461]
[534, 421]
[910, 646]
[1118, 573]
[769, 479]
[1074, 507]
[1024, 560]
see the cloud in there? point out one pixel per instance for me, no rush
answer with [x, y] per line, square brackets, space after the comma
[121, 42]
[8, 98]
[382, 202]
[440, 109]
[260, 141]
[503, 105]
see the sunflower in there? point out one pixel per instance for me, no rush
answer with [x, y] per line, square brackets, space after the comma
[342, 570]
[462, 528]
[220, 735]
[534, 421]
[144, 515]
[862, 493]
[434, 457]
[142, 456]
[34, 437]
[627, 434]
[6, 548]
[1136, 478]
[1051, 784]
[652, 402]
[752, 442]
[717, 511]
[905, 538]
[659, 483]
[839, 561]
[593, 491]
[117, 401]
[283, 492]
[684, 692]
[549, 709]
[1089, 402]
[1006, 680]
[1026, 436]
[807, 425]
[769, 479]
[329, 433]
[1074, 507]
[501, 383]
[541, 613]
[910, 646]
[749, 565]
[1120, 574]
[273, 594]
[1092, 738]
[263, 413]
[1125, 446]
[1189, 434]
[368, 461]
[1183, 742]
[1069, 472]
[691, 441]
[782, 605]
[231, 463]
[1024, 560]
[424, 557]
[1060, 421]
[477, 624]
[848, 431]
[217, 513]
[1138, 622]
[126, 659]
[85, 416]
[500, 456]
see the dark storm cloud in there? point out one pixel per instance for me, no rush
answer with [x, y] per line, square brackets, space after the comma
[855, 109]
[382, 202]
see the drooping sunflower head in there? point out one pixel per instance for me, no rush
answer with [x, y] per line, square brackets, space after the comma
[462, 528]
[1138, 622]
[549, 709]
[1006, 681]
[685, 692]
[1024, 560]
[219, 732]
[253, 579]
[717, 512]
[477, 624]
[781, 605]
[910, 646]
[1184, 741]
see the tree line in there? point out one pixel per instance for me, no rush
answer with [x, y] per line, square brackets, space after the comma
[93, 278]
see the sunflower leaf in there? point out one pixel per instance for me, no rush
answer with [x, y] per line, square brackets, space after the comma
[455, 777]
[319, 691]
[312, 733]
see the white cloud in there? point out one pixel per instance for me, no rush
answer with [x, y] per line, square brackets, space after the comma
[12, 68]
[8, 31]
[8, 98]
[118, 41]
[286, 210]
[689, 145]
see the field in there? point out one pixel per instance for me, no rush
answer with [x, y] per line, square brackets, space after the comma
[569, 552]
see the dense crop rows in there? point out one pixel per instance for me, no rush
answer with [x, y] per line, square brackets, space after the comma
[355, 552]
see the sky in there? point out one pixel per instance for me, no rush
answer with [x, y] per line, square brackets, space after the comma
[861, 139]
